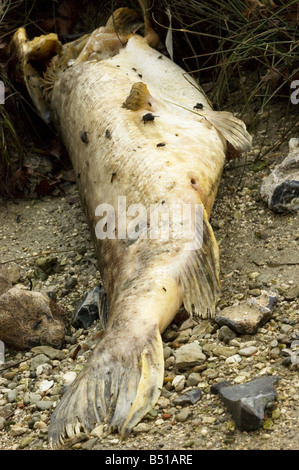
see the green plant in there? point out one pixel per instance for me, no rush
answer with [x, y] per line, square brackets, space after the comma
[221, 40]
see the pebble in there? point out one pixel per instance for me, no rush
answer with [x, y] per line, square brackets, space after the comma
[163, 402]
[235, 359]
[46, 385]
[193, 379]
[249, 351]
[12, 395]
[183, 415]
[225, 334]
[44, 405]
[189, 355]
[189, 398]
[141, 427]
[18, 430]
[25, 442]
[285, 328]
[179, 382]
[69, 377]
[49, 352]
[38, 360]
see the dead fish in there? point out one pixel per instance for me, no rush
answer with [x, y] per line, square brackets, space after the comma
[147, 276]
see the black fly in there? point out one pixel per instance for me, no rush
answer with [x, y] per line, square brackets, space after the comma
[83, 137]
[198, 106]
[148, 117]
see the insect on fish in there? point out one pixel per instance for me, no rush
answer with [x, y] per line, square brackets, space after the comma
[148, 117]
[146, 278]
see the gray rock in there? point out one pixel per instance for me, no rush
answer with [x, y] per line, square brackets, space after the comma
[43, 405]
[225, 334]
[31, 398]
[39, 360]
[212, 349]
[189, 355]
[13, 271]
[292, 293]
[167, 352]
[183, 415]
[51, 353]
[280, 190]
[247, 402]
[193, 379]
[248, 351]
[188, 398]
[12, 395]
[248, 315]
[88, 445]
[140, 428]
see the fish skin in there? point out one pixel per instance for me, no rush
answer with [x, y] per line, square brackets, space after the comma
[146, 280]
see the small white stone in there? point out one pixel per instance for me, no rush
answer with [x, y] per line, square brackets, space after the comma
[179, 382]
[45, 385]
[249, 351]
[235, 359]
[69, 377]
[159, 421]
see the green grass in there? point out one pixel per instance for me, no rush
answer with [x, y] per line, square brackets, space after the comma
[223, 40]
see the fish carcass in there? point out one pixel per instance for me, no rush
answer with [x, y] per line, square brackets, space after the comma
[144, 144]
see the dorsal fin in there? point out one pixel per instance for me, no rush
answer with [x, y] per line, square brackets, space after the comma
[232, 128]
[139, 98]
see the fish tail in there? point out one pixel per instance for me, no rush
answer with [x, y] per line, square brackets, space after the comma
[119, 384]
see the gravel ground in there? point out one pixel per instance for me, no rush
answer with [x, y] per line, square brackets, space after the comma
[259, 249]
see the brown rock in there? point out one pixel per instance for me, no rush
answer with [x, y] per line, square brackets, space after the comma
[249, 315]
[29, 319]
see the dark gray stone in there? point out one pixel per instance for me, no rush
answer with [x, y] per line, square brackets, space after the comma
[247, 402]
[280, 190]
[188, 398]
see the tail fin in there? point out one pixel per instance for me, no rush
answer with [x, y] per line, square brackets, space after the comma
[119, 384]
